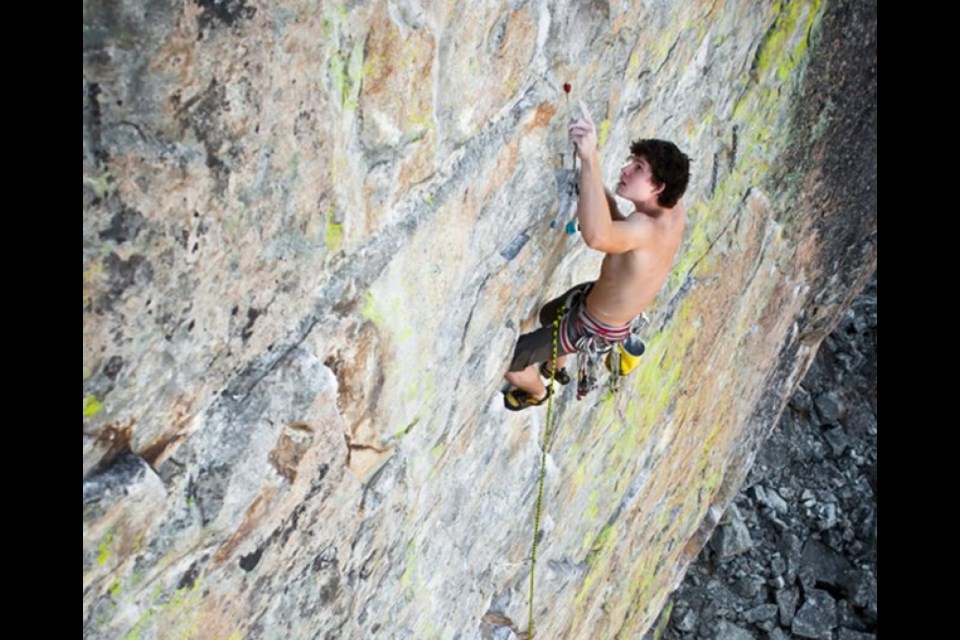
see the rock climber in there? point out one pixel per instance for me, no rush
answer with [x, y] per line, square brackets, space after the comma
[593, 317]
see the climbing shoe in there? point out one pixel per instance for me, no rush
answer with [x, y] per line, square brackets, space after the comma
[518, 399]
[561, 376]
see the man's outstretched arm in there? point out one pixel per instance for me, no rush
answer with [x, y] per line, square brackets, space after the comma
[593, 209]
[601, 225]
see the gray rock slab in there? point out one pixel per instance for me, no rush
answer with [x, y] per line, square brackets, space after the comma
[747, 587]
[770, 499]
[729, 631]
[861, 421]
[837, 440]
[860, 587]
[825, 564]
[732, 538]
[686, 622]
[127, 475]
[761, 613]
[817, 617]
[849, 617]
[828, 407]
[787, 600]
[801, 400]
[778, 566]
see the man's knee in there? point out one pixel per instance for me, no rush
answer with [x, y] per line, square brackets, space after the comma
[547, 314]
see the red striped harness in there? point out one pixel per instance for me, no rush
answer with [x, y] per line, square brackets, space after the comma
[586, 326]
[580, 332]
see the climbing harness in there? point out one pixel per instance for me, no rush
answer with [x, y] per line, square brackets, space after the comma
[621, 345]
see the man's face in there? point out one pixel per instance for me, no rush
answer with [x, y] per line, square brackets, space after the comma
[636, 181]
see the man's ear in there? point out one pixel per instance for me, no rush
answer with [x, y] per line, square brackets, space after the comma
[658, 187]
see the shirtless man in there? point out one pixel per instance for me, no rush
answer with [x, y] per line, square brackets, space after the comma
[639, 248]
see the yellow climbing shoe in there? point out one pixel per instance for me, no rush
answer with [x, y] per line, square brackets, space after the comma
[518, 399]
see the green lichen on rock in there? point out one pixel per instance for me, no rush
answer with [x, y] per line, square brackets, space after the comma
[91, 406]
[333, 232]
[354, 77]
[104, 548]
[786, 43]
[604, 131]
[103, 184]
[411, 581]
[176, 616]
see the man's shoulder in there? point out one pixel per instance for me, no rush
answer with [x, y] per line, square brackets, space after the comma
[670, 218]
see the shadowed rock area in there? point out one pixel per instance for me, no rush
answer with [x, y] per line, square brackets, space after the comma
[796, 554]
[312, 233]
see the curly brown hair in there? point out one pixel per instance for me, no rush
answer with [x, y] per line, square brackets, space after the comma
[669, 165]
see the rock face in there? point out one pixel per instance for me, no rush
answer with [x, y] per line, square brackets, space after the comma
[815, 576]
[312, 233]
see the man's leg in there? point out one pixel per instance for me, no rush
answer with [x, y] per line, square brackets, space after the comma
[553, 311]
[537, 346]
[528, 380]
[531, 350]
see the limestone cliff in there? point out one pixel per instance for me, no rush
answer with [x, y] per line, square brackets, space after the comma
[297, 307]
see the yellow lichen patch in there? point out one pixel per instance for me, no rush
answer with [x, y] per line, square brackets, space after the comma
[653, 390]
[91, 281]
[354, 76]
[177, 617]
[598, 556]
[102, 184]
[105, 548]
[695, 246]
[604, 131]
[333, 231]
[643, 584]
[786, 45]
[372, 310]
[91, 406]
[411, 581]
[779, 57]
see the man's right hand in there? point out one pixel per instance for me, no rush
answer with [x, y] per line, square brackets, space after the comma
[583, 134]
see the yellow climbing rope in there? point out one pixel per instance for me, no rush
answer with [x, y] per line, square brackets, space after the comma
[543, 466]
